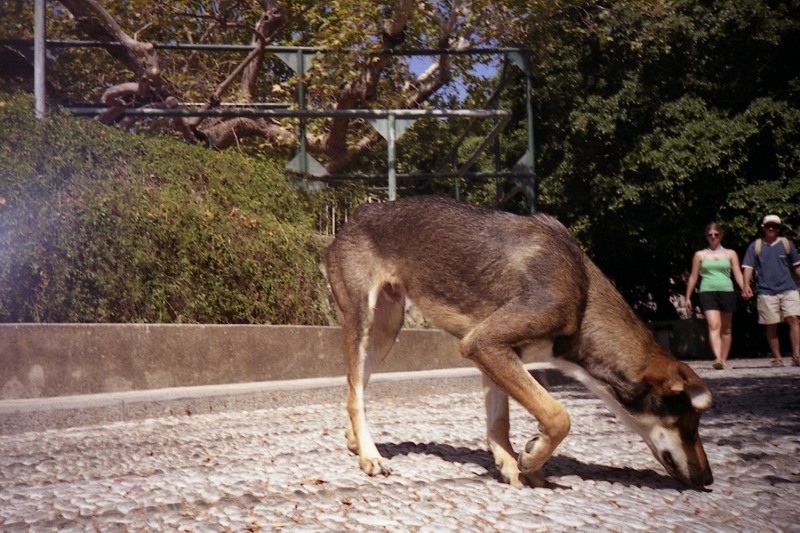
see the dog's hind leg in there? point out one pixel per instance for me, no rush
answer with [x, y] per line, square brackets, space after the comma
[381, 318]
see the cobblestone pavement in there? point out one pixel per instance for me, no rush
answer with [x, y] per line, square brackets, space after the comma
[287, 469]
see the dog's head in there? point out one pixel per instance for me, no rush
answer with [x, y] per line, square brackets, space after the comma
[670, 416]
[662, 403]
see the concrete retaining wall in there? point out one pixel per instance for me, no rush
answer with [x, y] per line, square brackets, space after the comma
[47, 360]
[50, 360]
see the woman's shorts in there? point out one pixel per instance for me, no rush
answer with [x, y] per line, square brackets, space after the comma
[723, 301]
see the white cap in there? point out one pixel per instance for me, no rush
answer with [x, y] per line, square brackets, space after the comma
[771, 219]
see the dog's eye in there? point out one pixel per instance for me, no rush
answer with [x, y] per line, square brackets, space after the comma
[669, 462]
[680, 403]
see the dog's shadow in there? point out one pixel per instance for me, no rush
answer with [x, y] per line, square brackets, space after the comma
[558, 465]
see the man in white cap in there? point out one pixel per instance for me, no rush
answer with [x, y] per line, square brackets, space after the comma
[773, 258]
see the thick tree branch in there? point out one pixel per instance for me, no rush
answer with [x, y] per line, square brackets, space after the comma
[336, 144]
[272, 22]
[223, 134]
[364, 87]
[269, 27]
[140, 57]
[431, 80]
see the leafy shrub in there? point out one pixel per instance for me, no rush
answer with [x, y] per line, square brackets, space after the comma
[100, 226]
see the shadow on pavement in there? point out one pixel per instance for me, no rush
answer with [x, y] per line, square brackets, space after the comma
[558, 465]
[770, 405]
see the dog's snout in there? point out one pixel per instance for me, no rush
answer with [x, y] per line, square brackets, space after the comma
[702, 478]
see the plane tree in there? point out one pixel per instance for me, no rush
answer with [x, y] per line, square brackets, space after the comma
[354, 70]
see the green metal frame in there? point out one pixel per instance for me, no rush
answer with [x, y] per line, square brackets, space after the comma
[390, 123]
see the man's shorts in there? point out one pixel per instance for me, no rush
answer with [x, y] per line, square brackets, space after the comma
[724, 301]
[773, 309]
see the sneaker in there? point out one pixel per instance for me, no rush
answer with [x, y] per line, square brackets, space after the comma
[718, 365]
[777, 363]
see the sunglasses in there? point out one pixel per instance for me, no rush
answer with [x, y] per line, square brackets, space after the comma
[712, 234]
[771, 226]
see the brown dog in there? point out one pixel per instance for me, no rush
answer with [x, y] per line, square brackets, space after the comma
[506, 285]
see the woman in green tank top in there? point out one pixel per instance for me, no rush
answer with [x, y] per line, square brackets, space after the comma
[714, 266]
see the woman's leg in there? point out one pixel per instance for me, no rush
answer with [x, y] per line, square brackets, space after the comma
[714, 339]
[726, 335]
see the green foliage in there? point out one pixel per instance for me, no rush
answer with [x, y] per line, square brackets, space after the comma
[655, 118]
[652, 118]
[97, 225]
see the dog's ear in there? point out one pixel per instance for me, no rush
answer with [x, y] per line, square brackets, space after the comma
[695, 388]
[700, 395]
[670, 377]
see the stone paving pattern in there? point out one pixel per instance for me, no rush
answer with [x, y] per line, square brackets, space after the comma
[287, 469]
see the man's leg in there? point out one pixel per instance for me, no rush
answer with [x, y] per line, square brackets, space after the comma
[794, 335]
[790, 305]
[769, 314]
[774, 343]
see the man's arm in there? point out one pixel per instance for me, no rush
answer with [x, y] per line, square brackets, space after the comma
[794, 259]
[747, 290]
[748, 267]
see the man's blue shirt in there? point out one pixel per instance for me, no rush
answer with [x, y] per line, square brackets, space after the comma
[773, 271]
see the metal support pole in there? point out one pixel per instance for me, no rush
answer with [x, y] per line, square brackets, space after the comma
[498, 182]
[531, 162]
[456, 181]
[390, 155]
[301, 101]
[39, 57]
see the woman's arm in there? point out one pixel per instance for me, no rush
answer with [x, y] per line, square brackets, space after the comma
[736, 268]
[692, 281]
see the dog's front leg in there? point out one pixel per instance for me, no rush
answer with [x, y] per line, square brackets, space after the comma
[497, 436]
[489, 345]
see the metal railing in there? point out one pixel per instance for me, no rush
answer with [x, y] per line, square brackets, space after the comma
[390, 123]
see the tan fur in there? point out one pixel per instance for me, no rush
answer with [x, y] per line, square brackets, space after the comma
[505, 285]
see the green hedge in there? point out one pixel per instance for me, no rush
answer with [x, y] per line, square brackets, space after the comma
[97, 225]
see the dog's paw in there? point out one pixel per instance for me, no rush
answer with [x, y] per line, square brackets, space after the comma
[374, 466]
[513, 480]
[533, 479]
[534, 455]
[514, 477]
[352, 445]
[509, 472]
